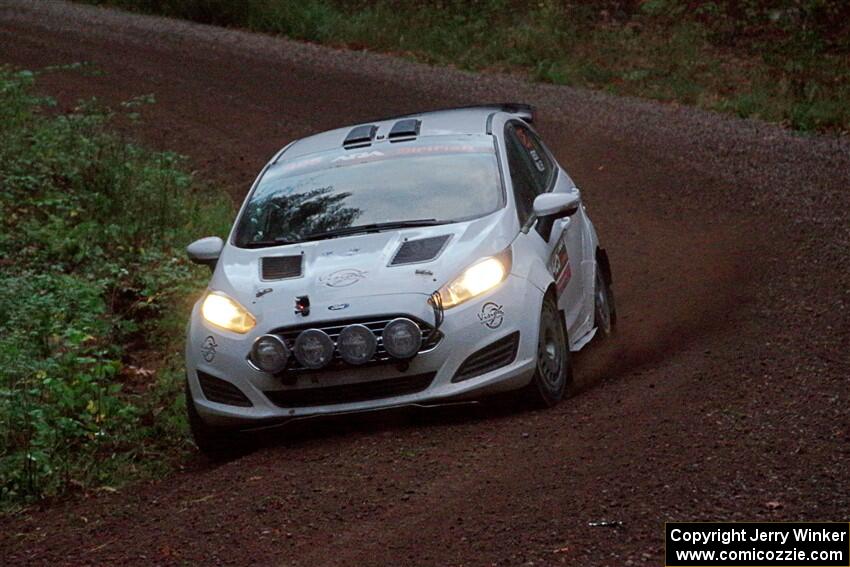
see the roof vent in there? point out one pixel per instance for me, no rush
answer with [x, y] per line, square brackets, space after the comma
[281, 267]
[421, 250]
[404, 130]
[360, 136]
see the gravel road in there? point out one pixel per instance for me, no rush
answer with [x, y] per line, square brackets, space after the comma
[724, 397]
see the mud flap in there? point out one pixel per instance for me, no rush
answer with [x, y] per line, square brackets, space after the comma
[604, 265]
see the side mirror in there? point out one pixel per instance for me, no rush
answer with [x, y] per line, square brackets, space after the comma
[551, 206]
[205, 251]
[557, 205]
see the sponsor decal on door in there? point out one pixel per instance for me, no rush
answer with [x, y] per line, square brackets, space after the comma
[559, 265]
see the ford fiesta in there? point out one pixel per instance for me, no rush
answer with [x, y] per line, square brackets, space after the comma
[414, 260]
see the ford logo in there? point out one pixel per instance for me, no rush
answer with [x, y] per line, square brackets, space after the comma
[338, 307]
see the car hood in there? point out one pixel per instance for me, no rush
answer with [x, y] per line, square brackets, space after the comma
[338, 269]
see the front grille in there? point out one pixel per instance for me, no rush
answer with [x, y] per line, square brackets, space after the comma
[350, 393]
[493, 356]
[430, 338]
[222, 391]
[281, 267]
[420, 250]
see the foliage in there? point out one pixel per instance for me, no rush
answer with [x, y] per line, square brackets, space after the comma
[785, 60]
[91, 269]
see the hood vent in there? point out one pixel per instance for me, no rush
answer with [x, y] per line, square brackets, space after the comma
[281, 267]
[421, 250]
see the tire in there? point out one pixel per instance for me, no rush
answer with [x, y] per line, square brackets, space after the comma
[604, 309]
[554, 370]
[214, 443]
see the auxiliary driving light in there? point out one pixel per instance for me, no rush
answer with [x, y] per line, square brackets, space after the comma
[270, 354]
[356, 344]
[314, 348]
[402, 338]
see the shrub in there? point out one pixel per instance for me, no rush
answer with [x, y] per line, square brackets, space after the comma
[92, 229]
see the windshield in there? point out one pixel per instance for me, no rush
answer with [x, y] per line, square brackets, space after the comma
[341, 190]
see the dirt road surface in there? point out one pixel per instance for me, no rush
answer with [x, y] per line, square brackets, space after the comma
[724, 397]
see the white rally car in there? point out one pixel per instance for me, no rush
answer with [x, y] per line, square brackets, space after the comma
[408, 261]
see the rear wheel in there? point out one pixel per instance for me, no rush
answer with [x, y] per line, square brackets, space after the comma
[604, 311]
[554, 372]
[214, 443]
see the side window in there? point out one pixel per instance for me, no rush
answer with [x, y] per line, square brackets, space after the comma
[531, 168]
[525, 189]
[538, 159]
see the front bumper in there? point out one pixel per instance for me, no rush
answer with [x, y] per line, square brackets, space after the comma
[514, 306]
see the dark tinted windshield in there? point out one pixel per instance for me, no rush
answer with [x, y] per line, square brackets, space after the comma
[443, 181]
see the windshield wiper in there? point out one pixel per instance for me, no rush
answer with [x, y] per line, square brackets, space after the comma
[268, 243]
[375, 227]
[345, 231]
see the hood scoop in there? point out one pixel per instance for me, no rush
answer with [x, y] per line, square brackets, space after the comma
[280, 267]
[420, 250]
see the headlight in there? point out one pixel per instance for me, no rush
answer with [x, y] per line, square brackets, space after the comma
[476, 279]
[270, 354]
[402, 338]
[314, 348]
[356, 344]
[224, 312]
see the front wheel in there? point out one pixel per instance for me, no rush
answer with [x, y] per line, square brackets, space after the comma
[554, 371]
[214, 443]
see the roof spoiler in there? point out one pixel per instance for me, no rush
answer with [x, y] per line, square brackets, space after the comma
[522, 110]
[518, 109]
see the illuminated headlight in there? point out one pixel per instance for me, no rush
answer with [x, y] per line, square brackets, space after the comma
[314, 348]
[482, 276]
[224, 312]
[402, 338]
[270, 354]
[356, 344]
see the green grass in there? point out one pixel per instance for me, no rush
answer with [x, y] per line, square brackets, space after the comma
[786, 61]
[92, 276]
